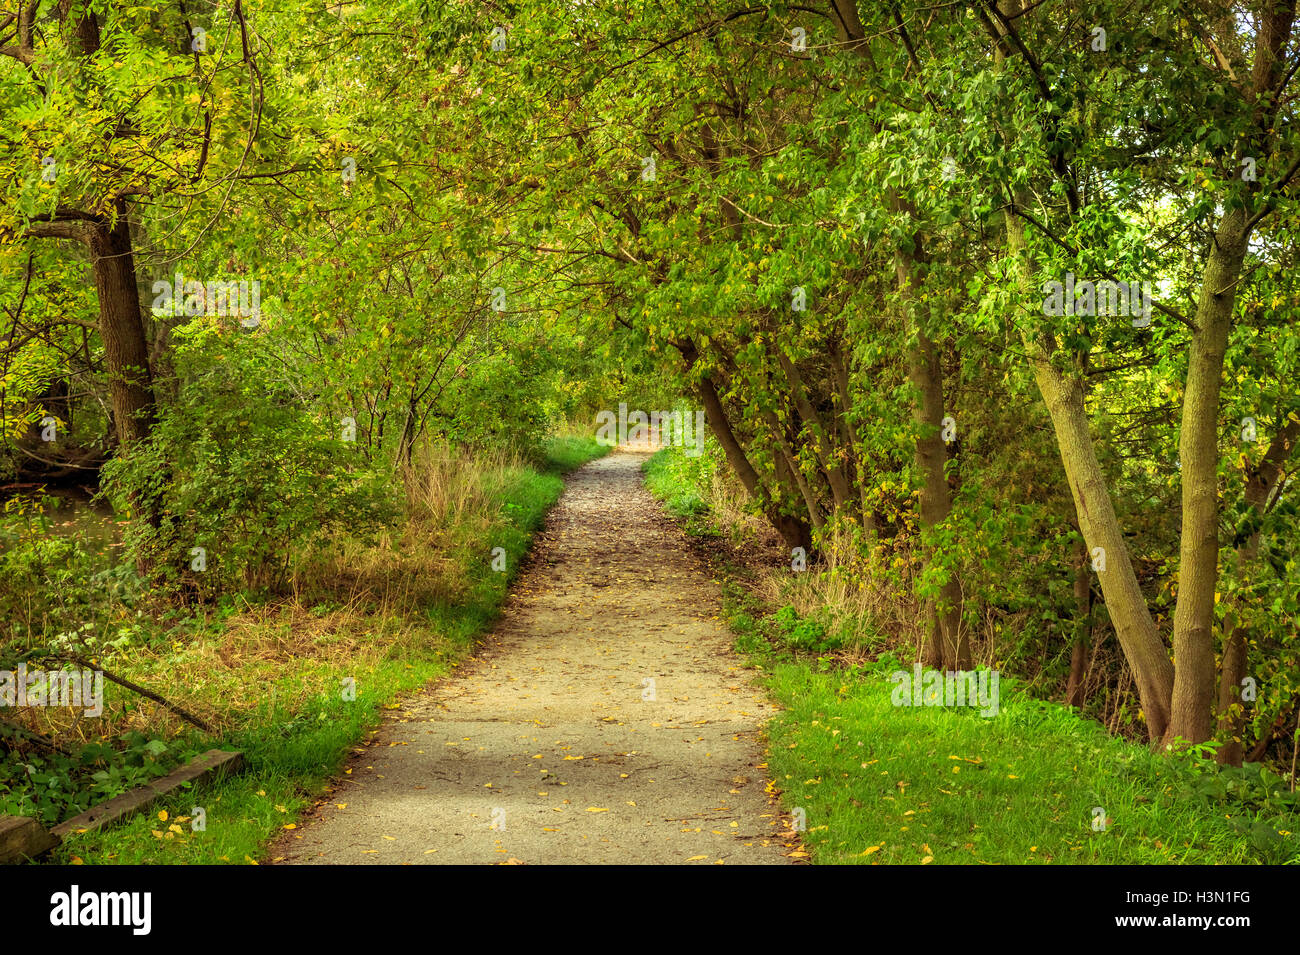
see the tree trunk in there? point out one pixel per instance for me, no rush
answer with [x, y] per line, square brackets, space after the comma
[794, 532]
[126, 352]
[785, 453]
[947, 644]
[821, 442]
[1192, 712]
[1136, 631]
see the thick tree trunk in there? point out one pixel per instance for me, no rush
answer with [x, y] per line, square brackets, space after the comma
[1136, 631]
[126, 352]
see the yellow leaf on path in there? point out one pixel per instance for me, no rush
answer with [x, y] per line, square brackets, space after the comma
[390, 838]
[696, 858]
[596, 809]
[340, 805]
[290, 825]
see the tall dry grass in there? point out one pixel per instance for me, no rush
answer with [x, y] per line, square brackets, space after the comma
[452, 502]
[351, 605]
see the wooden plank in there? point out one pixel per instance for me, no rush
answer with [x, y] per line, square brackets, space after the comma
[22, 838]
[211, 764]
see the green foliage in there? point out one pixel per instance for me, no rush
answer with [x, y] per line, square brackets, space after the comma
[674, 477]
[51, 787]
[244, 471]
[803, 633]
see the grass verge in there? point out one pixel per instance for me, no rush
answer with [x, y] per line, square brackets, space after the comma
[876, 782]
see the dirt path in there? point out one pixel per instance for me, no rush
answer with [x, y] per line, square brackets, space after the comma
[553, 745]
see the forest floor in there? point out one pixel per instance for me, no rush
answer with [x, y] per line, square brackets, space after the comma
[605, 719]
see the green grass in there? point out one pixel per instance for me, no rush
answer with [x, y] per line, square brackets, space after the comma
[291, 754]
[881, 783]
[894, 784]
[566, 453]
[668, 478]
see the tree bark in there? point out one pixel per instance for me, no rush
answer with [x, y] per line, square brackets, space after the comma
[1198, 454]
[126, 351]
[1153, 672]
[1198, 450]
[947, 644]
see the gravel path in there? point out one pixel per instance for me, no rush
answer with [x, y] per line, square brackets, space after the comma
[604, 719]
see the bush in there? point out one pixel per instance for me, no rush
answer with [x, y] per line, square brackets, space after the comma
[243, 480]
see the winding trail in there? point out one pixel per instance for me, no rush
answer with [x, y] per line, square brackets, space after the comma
[603, 720]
